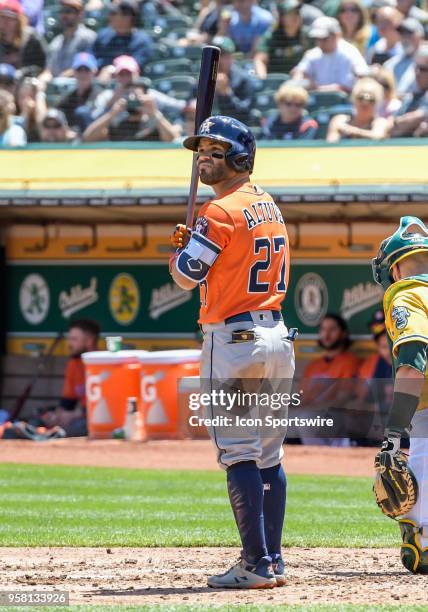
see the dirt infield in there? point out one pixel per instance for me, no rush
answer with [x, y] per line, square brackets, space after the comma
[171, 576]
[179, 455]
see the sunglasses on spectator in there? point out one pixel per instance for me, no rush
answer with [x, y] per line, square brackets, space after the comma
[421, 68]
[52, 126]
[214, 154]
[83, 69]
[365, 97]
[349, 9]
[68, 11]
[292, 103]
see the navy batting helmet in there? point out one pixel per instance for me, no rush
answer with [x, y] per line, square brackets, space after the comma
[241, 141]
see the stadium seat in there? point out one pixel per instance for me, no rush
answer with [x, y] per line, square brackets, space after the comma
[178, 21]
[181, 87]
[324, 116]
[265, 100]
[326, 99]
[168, 68]
[275, 80]
[191, 53]
[160, 51]
[57, 88]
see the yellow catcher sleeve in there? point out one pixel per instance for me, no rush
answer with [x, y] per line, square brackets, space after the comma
[407, 316]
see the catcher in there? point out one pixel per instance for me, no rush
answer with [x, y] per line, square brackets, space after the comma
[401, 486]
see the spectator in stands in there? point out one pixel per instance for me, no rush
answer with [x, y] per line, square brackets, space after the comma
[186, 125]
[206, 23]
[408, 8]
[234, 88]
[8, 77]
[78, 105]
[33, 10]
[290, 122]
[54, 127]
[245, 24]
[387, 21]
[11, 134]
[365, 121]
[31, 106]
[20, 45]
[402, 65]
[327, 381]
[309, 12]
[412, 118]
[122, 37]
[334, 63]
[126, 73]
[135, 116]
[281, 49]
[354, 23]
[391, 103]
[74, 38]
[83, 335]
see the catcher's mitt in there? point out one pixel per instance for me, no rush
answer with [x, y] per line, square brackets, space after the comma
[395, 486]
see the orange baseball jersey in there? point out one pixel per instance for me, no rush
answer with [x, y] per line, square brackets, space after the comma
[74, 383]
[314, 383]
[239, 253]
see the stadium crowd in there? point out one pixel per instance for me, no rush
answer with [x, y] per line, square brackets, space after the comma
[72, 71]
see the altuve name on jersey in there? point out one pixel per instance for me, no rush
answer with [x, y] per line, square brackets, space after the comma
[262, 212]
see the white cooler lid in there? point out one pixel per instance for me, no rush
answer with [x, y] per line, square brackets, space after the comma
[172, 357]
[108, 357]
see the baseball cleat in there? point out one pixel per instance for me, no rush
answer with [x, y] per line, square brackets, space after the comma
[246, 576]
[278, 570]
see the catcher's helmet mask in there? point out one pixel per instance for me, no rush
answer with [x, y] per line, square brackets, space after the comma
[240, 140]
[398, 246]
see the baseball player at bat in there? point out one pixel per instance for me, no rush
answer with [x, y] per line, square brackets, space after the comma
[238, 253]
[401, 486]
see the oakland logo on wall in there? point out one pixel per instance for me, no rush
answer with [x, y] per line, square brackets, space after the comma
[311, 299]
[34, 299]
[124, 299]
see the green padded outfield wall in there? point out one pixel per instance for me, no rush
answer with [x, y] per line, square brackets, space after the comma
[141, 299]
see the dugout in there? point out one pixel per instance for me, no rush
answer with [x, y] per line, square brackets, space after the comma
[85, 232]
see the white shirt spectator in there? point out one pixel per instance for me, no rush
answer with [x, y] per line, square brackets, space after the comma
[338, 68]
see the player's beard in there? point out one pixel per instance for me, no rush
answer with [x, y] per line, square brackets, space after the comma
[340, 343]
[212, 174]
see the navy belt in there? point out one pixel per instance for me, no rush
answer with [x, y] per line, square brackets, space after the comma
[246, 316]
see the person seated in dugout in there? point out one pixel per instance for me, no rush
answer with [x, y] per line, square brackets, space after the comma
[375, 389]
[70, 414]
[327, 382]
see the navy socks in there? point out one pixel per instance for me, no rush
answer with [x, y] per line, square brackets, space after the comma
[245, 487]
[275, 486]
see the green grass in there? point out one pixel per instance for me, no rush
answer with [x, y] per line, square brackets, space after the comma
[76, 506]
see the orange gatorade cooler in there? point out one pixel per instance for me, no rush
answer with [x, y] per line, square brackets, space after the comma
[160, 373]
[111, 379]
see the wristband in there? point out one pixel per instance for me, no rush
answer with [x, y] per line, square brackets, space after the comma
[402, 410]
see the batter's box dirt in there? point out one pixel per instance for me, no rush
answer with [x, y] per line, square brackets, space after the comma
[178, 575]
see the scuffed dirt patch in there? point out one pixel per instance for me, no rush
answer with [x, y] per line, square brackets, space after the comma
[171, 575]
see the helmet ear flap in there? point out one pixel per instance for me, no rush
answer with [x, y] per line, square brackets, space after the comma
[240, 162]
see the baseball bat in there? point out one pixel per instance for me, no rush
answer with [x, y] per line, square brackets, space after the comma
[204, 105]
[20, 401]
